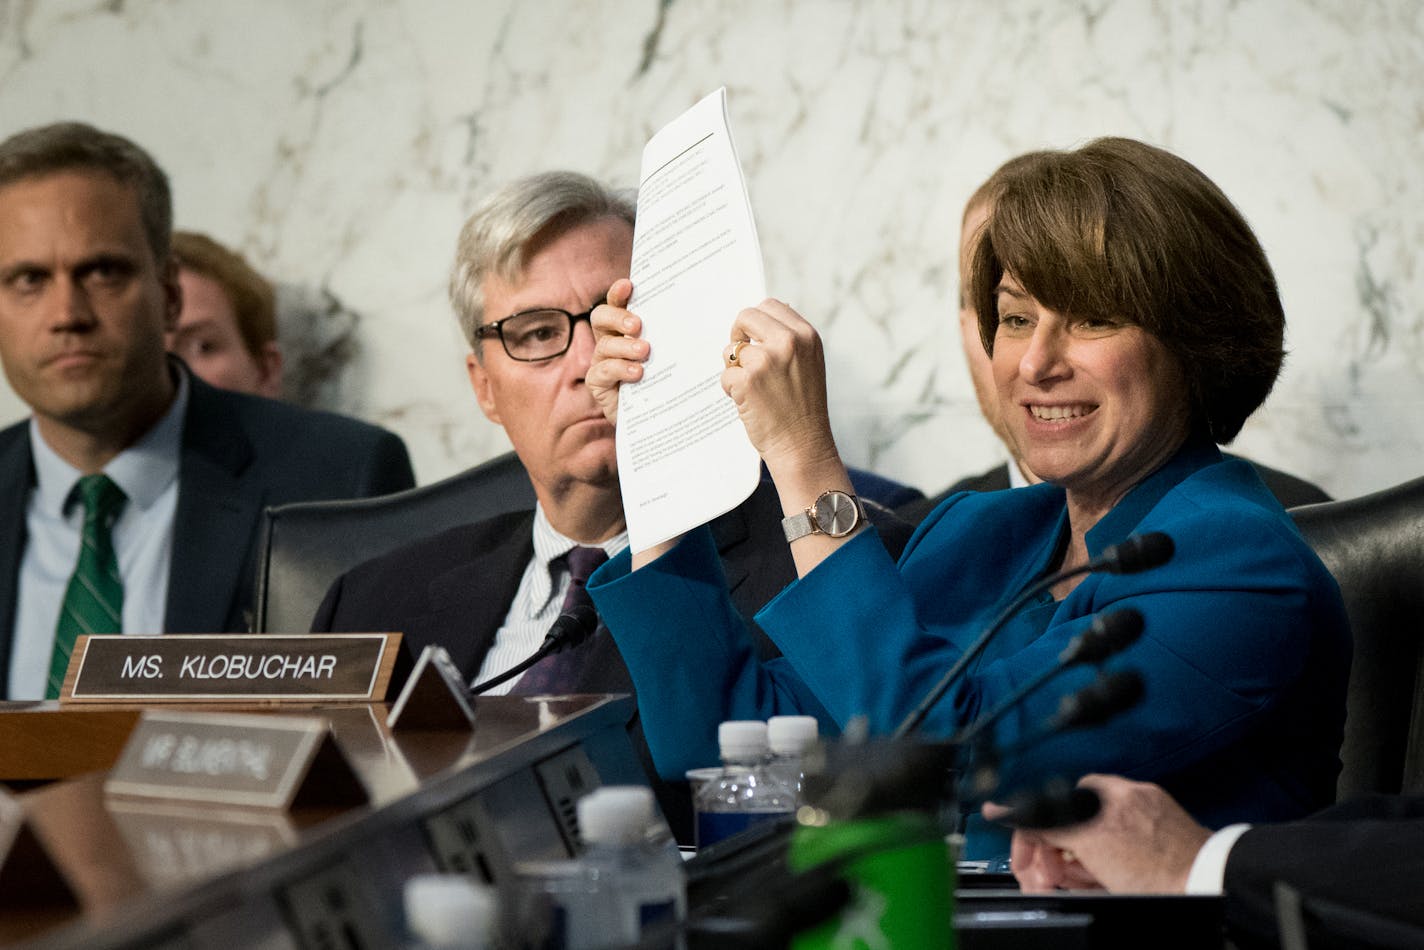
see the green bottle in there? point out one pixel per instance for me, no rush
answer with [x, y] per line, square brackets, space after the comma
[872, 809]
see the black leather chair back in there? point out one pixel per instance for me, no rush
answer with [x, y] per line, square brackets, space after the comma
[1374, 545]
[305, 546]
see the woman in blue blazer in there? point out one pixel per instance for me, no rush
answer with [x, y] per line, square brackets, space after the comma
[1133, 324]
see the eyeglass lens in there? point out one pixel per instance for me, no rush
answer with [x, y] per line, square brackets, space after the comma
[536, 335]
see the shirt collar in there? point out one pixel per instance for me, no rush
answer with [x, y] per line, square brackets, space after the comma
[1114, 527]
[550, 545]
[144, 470]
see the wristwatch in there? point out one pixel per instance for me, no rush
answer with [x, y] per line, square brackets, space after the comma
[835, 514]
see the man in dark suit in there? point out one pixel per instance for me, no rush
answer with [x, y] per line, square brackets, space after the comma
[532, 262]
[454, 589]
[1357, 866]
[180, 471]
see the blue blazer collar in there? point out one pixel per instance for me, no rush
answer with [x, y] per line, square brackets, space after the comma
[1195, 454]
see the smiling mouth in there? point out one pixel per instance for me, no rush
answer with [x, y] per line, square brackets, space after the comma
[1060, 413]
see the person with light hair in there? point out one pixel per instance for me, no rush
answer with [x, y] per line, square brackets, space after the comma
[531, 263]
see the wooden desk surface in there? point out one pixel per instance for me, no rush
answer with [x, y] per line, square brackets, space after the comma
[44, 741]
[119, 853]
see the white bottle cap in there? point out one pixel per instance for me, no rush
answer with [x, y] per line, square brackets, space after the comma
[792, 735]
[449, 910]
[615, 814]
[740, 738]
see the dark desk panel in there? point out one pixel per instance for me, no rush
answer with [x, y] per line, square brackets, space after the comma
[162, 875]
[183, 877]
[994, 919]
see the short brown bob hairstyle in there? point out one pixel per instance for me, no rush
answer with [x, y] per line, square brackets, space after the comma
[1122, 230]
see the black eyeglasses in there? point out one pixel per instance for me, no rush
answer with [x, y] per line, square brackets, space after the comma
[534, 335]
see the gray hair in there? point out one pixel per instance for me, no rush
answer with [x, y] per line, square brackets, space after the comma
[74, 146]
[510, 224]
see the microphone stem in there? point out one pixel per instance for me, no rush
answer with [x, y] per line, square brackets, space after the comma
[1030, 740]
[1046, 731]
[510, 673]
[972, 731]
[913, 720]
[571, 628]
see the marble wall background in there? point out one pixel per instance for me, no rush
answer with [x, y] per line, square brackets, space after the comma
[340, 143]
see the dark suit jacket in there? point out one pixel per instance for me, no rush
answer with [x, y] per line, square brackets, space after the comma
[239, 454]
[1289, 490]
[455, 588]
[1362, 858]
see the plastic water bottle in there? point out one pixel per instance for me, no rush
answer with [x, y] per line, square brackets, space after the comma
[789, 737]
[634, 872]
[746, 792]
[449, 912]
[554, 905]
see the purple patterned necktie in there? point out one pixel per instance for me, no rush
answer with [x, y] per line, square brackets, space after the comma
[557, 674]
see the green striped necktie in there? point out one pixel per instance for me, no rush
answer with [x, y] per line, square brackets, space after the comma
[94, 600]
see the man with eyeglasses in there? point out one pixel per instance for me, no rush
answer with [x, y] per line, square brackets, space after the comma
[532, 262]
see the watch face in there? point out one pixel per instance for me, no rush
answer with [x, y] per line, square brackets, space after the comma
[836, 514]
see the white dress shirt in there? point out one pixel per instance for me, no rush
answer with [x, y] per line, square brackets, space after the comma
[537, 602]
[147, 471]
[1208, 874]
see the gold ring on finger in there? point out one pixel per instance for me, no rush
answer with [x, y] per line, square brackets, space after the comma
[736, 351]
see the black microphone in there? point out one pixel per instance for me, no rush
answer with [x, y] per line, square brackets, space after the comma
[1135, 553]
[767, 904]
[1099, 701]
[1096, 703]
[1105, 697]
[568, 630]
[1057, 805]
[1108, 634]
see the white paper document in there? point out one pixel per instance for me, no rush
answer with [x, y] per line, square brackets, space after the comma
[683, 455]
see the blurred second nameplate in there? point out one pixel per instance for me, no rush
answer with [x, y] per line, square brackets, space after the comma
[259, 761]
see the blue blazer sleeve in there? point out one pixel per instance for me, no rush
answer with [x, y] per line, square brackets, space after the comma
[693, 664]
[1245, 655]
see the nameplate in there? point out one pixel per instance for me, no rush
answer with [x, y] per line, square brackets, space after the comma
[435, 697]
[231, 668]
[176, 843]
[29, 877]
[254, 761]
